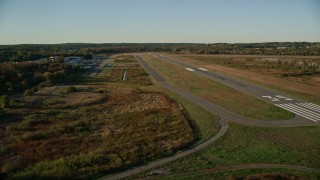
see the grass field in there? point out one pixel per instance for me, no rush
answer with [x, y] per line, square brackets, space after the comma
[250, 145]
[295, 76]
[219, 94]
[90, 129]
[248, 174]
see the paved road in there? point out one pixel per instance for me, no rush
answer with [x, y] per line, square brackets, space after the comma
[222, 113]
[304, 110]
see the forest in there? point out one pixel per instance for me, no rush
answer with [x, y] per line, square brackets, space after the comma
[31, 52]
[25, 76]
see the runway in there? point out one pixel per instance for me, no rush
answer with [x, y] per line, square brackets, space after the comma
[303, 110]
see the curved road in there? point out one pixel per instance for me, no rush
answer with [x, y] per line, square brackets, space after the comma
[224, 115]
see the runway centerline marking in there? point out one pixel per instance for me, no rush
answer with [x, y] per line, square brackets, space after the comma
[203, 69]
[189, 69]
[283, 97]
[253, 89]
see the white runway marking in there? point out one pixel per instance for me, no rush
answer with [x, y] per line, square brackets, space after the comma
[314, 107]
[271, 98]
[253, 89]
[283, 97]
[203, 69]
[189, 69]
[305, 112]
[278, 98]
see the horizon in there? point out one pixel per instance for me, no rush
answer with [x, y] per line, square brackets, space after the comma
[157, 43]
[194, 22]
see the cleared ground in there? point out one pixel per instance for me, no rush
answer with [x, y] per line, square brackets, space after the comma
[217, 93]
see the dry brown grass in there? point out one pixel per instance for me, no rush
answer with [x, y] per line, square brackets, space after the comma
[93, 131]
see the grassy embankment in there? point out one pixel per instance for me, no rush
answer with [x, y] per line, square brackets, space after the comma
[218, 93]
[294, 76]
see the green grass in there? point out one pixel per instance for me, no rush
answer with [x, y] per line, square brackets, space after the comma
[105, 71]
[250, 145]
[240, 174]
[220, 94]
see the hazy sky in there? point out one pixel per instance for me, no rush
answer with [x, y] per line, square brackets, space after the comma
[205, 21]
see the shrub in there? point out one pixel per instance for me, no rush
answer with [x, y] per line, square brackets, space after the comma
[2, 113]
[12, 103]
[27, 92]
[45, 84]
[71, 89]
[4, 101]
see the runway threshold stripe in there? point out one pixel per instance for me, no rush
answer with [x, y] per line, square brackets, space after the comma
[299, 111]
[310, 107]
[189, 69]
[306, 111]
[317, 106]
[203, 69]
[296, 112]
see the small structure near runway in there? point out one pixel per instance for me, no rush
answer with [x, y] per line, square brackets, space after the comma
[124, 74]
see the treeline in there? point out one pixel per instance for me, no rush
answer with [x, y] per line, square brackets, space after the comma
[19, 53]
[31, 52]
[26, 76]
[286, 48]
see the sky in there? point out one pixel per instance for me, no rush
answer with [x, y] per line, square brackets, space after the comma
[158, 21]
